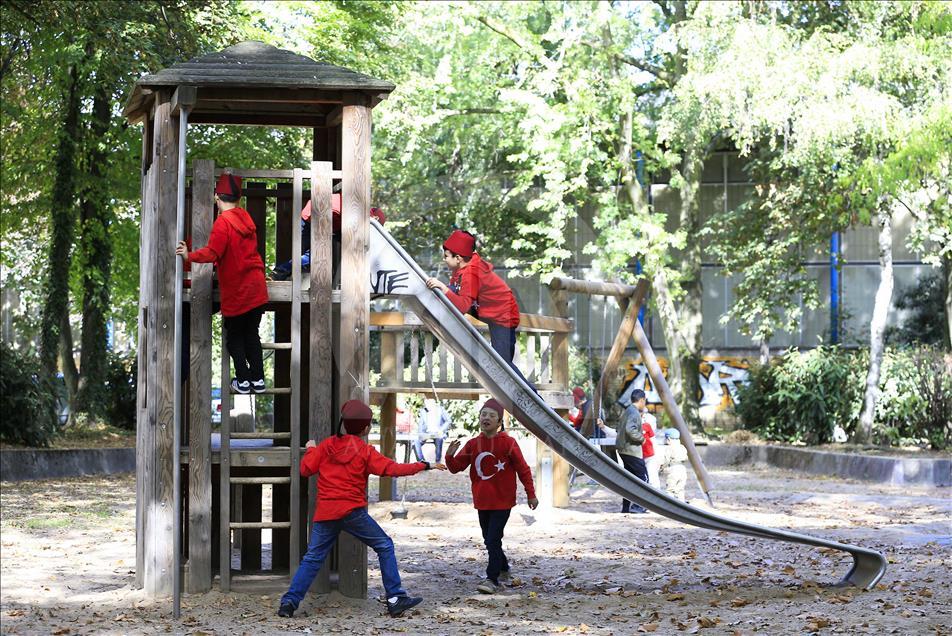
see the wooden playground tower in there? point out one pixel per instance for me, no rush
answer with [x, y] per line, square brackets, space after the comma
[321, 345]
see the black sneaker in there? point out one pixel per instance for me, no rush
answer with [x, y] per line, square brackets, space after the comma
[277, 274]
[286, 610]
[258, 386]
[397, 605]
[241, 387]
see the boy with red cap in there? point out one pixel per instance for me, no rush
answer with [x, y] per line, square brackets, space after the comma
[494, 485]
[342, 464]
[476, 289]
[282, 271]
[233, 247]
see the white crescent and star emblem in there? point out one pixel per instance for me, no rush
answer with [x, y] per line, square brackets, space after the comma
[478, 465]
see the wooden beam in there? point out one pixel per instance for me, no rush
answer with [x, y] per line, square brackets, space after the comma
[625, 331]
[527, 322]
[355, 302]
[388, 443]
[334, 118]
[592, 288]
[269, 95]
[183, 96]
[200, 378]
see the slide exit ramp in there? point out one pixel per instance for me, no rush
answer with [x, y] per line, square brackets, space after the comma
[394, 273]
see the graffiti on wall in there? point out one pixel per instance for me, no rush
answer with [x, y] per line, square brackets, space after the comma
[719, 377]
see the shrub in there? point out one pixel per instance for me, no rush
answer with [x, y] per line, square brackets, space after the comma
[121, 388]
[27, 400]
[801, 396]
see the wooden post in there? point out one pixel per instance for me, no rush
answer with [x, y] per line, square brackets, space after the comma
[560, 377]
[388, 443]
[159, 498]
[354, 301]
[144, 430]
[388, 410]
[321, 347]
[200, 379]
[285, 224]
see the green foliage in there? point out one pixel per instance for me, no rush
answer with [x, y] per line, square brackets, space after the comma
[915, 402]
[27, 399]
[802, 396]
[925, 322]
[121, 390]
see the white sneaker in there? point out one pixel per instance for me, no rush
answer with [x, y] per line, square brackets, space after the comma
[257, 386]
[487, 587]
[240, 387]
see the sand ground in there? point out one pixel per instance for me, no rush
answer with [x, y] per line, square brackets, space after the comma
[67, 554]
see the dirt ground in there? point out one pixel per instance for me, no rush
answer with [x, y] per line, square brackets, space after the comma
[67, 554]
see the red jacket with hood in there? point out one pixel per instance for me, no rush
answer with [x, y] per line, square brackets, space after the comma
[493, 464]
[233, 247]
[476, 288]
[342, 465]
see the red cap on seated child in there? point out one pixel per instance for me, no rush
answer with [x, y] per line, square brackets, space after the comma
[462, 243]
[229, 185]
[356, 416]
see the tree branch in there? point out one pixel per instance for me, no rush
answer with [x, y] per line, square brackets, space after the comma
[658, 72]
[661, 4]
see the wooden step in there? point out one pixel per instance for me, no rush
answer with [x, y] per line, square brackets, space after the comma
[238, 525]
[261, 435]
[260, 480]
[275, 345]
[279, 390]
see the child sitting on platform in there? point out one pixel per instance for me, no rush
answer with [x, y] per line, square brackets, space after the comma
[493, 484]
[342, 464]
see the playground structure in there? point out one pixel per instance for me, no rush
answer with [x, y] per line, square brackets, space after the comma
[255, 84]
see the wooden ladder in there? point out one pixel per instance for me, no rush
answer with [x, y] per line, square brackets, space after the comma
[226, 525]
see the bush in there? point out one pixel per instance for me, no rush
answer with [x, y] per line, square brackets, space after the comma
[802, 396]
[27, 400]
[121, 389]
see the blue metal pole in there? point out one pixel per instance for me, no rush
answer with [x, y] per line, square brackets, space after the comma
[835, 288]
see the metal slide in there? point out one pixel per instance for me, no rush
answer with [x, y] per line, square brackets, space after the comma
[393, 273]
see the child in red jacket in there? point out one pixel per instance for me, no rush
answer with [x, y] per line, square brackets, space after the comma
[494, 459]
[476, 289]
[342, 464]
[233, 247]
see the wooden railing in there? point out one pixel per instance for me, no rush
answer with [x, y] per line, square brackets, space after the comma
[412, 360]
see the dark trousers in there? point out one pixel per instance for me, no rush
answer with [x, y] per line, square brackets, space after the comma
[503, 341]
[635, 466]
[244, 345]
[493, 524]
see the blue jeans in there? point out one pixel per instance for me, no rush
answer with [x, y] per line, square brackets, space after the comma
[418, 447]
[360, 524]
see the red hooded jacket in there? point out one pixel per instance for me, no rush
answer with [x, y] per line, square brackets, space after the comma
[233, 247]
[494, 462]
[476, 288]
[342, 464]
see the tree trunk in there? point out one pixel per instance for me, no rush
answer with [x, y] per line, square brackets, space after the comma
[691, 317]
[96, 249]
[947, 275]
[68, 364]
[670, 325]
[877, 327]
[63, 218]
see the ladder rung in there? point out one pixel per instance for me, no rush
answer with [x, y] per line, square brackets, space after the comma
[261, 435]
[260, 480]
[280, 390]
[275, 345]
[238, 525]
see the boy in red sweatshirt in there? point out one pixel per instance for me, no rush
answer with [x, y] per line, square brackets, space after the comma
[476, 289]
[494, 459]
[233, 247]
[342, 464]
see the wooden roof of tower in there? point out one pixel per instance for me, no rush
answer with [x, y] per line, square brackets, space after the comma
[256, 83]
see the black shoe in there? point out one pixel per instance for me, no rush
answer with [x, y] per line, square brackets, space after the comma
[399, 604]
[280, 275]
[286, 610]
